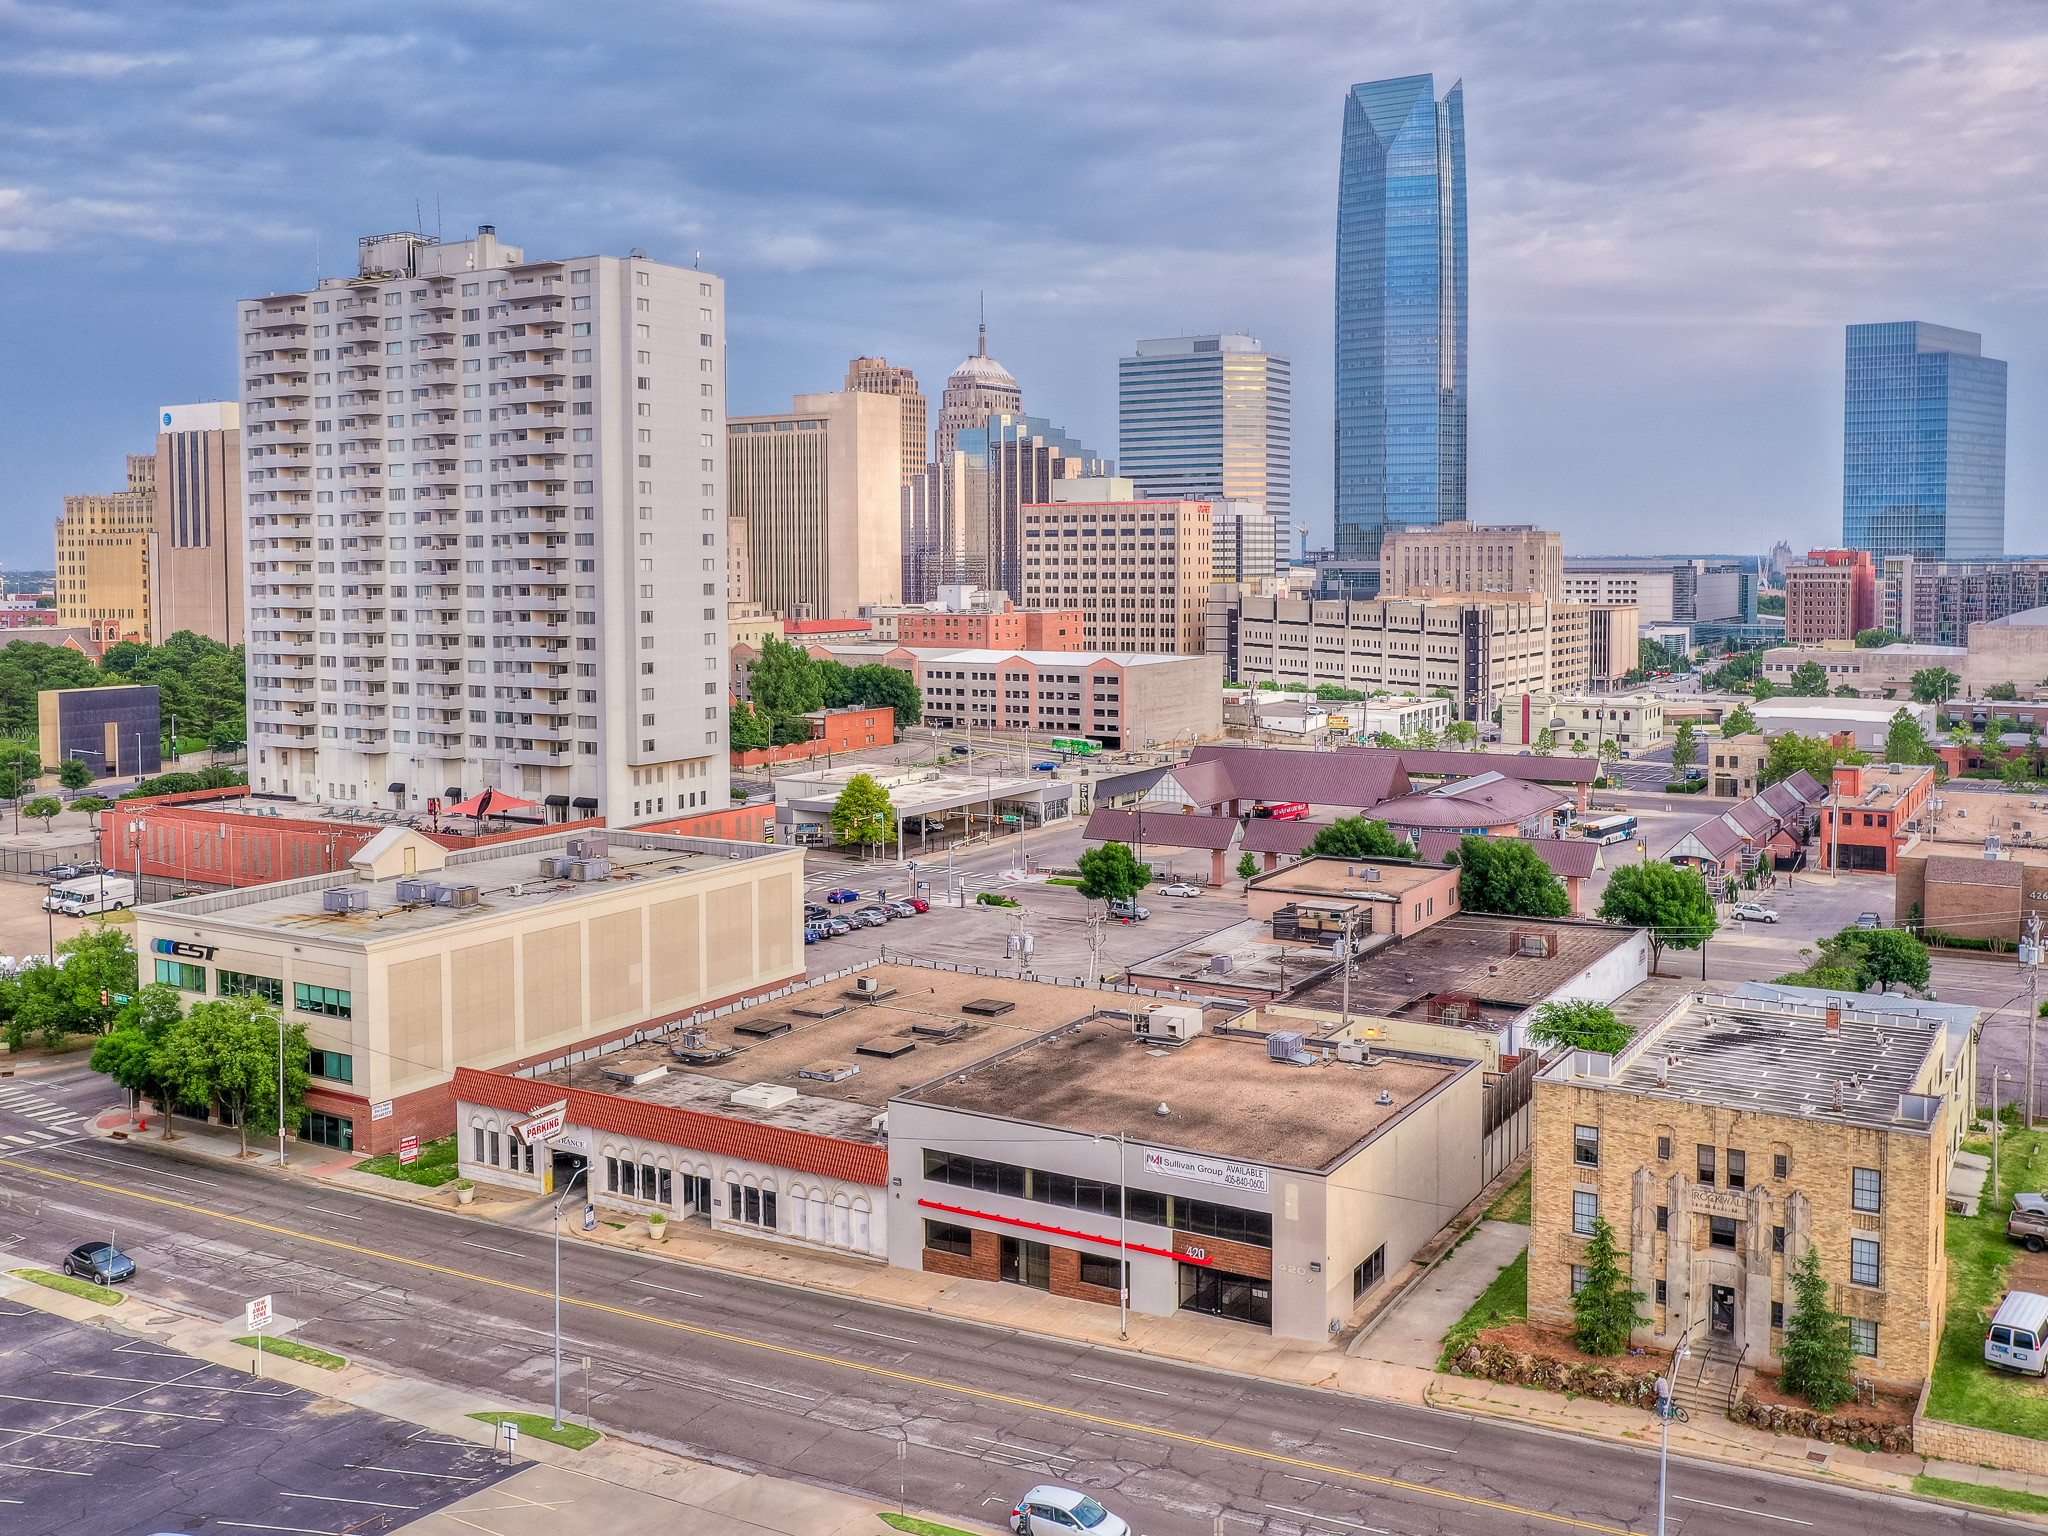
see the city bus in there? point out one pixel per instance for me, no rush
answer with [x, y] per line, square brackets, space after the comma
[1079, 747]
[1287, 810]
[1609, 829]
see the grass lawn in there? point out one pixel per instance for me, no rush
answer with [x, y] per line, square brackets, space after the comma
[1966, 1390]
[1981, 1493]
[291, 1349]
[1513, 1204]
[436, 1164]
[542, 1427]
[917, 1527]
[105, 1295]
[1506, 1300]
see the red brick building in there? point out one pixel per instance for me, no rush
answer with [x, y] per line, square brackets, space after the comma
[1863, 822]
[1053, 630]
[1833, 596]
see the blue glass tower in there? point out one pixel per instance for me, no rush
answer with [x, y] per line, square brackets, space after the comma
[1923, 443]
[1401, 306]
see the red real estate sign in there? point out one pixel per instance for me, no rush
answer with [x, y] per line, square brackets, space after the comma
[409, 1150]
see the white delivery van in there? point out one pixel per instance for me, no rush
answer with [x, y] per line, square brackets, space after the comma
[89, 894]
[2015, 1342]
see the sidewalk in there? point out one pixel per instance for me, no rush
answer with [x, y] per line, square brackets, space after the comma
[615, 1486]
[1388, 1366]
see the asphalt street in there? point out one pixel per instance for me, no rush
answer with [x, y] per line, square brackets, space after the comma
[777, 1379]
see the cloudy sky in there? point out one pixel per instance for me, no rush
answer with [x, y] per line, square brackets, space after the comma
[1675, 208]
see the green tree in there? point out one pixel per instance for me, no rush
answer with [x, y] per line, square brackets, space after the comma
[20, 767]
[1809, 680]
[1605, 1312]
[1823, 978]
[1463, 733]
[90, 805]
[1358, 837]
[1580, 1026]
[1818, 1358]
[1247, 867]
[862, 813]
[1762, 689]
[1847, 691]
[879, 685]
[1871, 639]
[1791, 752]
[1738, 722]
[1112, 873]
[1671, 903]
[74, 773]
[1882, 957]
[1905, 742]
[747, 731]
[1546, 742]
[225, 1051]
[2016, 771]
[44, 808]
[128, 1053]
[1685, 747]
[1421, 739]
[1935, 685]
[784, 681]
[1609, 750]
[791, 729]
[2002, 691]
[1507, 876]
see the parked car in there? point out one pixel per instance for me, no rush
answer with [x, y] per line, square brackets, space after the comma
[2015, 1341]
[901, 909]
[869, 917]
[813, 911]
[1045, 767]
[917, 904]
[1753, 912]
[101, 1263]
[960, 751]
[876, 909]
[1048, 1510]
[1180, 888]
[1868, 920]
[2028, 1222]
[836, 897]
[1128, 910]
[57, 873]
[837, 927]
[810, 933]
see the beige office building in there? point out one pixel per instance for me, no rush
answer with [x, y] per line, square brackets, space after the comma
[820, 489]
[196, 553]
[1139, 571]
[874, 376]
[103, 564]
[1473, 557]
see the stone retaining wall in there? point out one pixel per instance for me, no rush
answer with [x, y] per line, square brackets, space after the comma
[1829, 1428]
[1496, 1362]
[1980, 1447]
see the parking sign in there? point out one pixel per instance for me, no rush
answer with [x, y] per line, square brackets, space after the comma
[257, 1313]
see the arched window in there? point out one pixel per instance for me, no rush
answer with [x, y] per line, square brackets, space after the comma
[820, 1227]
[842, 1222]
[861, 1239]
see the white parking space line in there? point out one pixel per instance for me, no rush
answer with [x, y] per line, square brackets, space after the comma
[155, 1173]
[329, 1498]
[650, 1285]
[762, 1387]
[447, 1477]
[1737, 1509]
[16, 1466]
[1104, 1381]
[487, 1248]
[1397, 1440]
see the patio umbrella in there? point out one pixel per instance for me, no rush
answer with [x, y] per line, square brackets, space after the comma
[491, 802]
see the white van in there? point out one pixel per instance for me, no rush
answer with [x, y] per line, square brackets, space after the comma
[2015, 1342]
[89, 894]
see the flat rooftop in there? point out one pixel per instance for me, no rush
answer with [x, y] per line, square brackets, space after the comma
[1960, 819]
[1256, 961]
[1224, 1096]
[918, 1029]
[1360, 879]
[1472, 953]
[1779, 1057]
[507, 877]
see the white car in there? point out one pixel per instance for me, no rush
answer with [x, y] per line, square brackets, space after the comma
[1753, 912]
[1180, 888]
[1048, 1511]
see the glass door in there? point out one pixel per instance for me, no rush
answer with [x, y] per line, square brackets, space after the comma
[1027, 1263]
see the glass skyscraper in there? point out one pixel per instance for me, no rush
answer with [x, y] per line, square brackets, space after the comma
[1209, 418]
[1923, 443]
[1401, 310]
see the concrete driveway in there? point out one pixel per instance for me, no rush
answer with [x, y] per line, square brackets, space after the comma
[1412, 1333]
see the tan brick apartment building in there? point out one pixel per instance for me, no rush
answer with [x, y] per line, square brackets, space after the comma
[1832, 596]
[1735, 1132]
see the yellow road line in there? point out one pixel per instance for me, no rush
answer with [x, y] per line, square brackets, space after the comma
[854, 1365]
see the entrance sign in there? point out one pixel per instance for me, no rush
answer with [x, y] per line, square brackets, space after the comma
[543, 1123]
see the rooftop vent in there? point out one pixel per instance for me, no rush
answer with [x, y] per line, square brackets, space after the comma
[828, 1071]
[1533, 943]
[1173, 1022]
[1221, 964]
[764, 1096]
[634, 1071]
[552, 868]
[589, 869]
[888, 1048]
[940, 1029]
[464, 895]
[589, 846]
[1284, 1045]
[762, 1029]
[345, 899]
[1386, 1097]
[988, 1007]
[1162, 1111]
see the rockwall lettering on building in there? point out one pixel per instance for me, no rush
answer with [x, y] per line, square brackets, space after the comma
[1207, 1170]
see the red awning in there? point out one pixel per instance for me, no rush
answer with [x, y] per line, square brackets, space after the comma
[490, 803]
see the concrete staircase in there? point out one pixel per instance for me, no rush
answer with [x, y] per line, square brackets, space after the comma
[1706, 1383]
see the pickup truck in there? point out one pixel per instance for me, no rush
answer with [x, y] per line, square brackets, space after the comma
[2028, 1222]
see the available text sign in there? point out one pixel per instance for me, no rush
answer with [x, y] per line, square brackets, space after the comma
[408, 1150]
[1207, 1170]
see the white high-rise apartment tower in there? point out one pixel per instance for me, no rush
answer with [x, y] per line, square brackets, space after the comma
[487, 531]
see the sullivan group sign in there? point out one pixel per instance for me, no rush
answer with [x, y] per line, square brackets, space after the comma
[1207, 1170]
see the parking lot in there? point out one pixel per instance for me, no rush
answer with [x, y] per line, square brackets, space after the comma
[105, 1430]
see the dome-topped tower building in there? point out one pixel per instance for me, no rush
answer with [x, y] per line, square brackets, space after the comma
[979, 388]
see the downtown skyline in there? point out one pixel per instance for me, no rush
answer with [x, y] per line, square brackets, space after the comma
[1663, 254]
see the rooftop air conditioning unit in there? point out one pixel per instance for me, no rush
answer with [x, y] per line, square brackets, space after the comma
[590, 869]
[588, 847]
[868, 984]
[345, 898]
[1221, 964]
[412, 893]
[1172, 1022]
[1358, 1052]
[1285, 1045]
[464, 895]
[552, 868]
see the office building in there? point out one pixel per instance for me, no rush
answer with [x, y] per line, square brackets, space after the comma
[1401, 312]
[1474, 557]
[487, 547]
[1832, 595]
[1244, 543]
[1734, 1133]
[979, 388]
[874, 376]
[1209, 418]
[196, 553]
[1014, 462]
[934, 520]
[1633, 722]
[103, 567]
[398, 993]
[1923, 443]
[820, 489]
[1936, 601]
[1664, 588]
[1139, 571]
[1117, 700]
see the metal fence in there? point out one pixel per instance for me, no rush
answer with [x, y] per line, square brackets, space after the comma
[28, 864]
[1508, 1119]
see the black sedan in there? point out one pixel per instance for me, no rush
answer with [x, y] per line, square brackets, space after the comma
[102, 1263]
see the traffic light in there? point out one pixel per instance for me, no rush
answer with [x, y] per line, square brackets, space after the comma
[106, 997]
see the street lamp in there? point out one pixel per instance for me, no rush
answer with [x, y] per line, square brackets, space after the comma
[579, 1173]
[1667, 1410]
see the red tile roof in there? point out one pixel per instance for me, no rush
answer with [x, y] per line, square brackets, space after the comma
[803, 1151]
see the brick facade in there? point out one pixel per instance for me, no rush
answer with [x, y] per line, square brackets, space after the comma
[1237, 1258]
[986, 1263]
